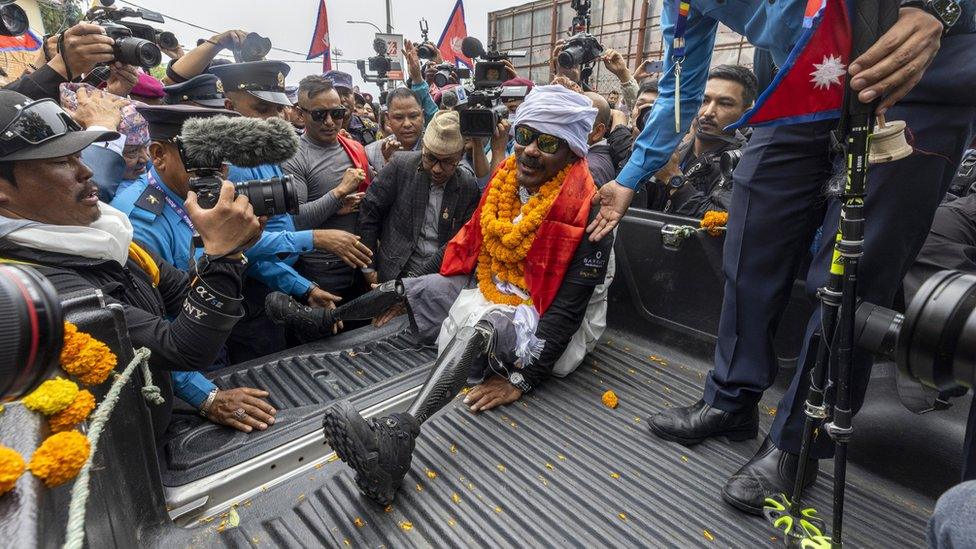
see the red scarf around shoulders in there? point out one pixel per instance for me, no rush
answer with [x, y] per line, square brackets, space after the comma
[357, 154]
[555, 242]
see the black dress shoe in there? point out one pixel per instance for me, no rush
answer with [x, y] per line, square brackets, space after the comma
[692, 424]
[771, 471]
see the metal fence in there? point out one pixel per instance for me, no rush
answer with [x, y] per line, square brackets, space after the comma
[632, 27]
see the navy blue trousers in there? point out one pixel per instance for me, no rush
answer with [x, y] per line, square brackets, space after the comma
[778, 202]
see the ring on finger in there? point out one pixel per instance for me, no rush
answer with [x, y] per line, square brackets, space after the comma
[240, 413]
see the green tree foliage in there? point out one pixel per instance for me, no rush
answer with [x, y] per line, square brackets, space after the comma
[58, 16]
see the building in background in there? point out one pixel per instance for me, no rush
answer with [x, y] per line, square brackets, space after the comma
[14, 62]
[632, 27]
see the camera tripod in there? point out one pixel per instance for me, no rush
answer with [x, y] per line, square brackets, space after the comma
[828, 403]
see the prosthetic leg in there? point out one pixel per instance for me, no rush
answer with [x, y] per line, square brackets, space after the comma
[380, 449]
[315, 322]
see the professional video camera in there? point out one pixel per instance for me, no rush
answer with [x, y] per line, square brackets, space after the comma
[582, 49]
[379, 65]
[32, 328]
[483, 109]
[425, 50]
[206, 144]
[135, 43]
[13, 19]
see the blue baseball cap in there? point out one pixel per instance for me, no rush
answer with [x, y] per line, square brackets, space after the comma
[339, 79]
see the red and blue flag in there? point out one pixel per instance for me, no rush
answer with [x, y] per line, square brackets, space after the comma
[25, 42]
[810, 85]
[320, 39]
[455, 32]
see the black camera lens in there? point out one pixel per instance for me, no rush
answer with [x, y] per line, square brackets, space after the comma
[442, 78]
[571, 56]
[270, 196]
[426, 51]
[13, 20]
[729, 160]
[136, 51]
[254, 47]
[31, 330]
[167, 40]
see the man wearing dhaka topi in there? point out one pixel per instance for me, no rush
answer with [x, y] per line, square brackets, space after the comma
[521, 294]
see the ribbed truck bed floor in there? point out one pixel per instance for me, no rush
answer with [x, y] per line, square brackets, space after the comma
[560, 469]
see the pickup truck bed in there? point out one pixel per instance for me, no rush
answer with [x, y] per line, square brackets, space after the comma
[558, 469]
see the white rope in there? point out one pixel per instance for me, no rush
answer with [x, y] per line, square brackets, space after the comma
[149, 391]
[74, 537]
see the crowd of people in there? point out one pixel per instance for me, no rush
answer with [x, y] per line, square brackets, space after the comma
[499, 249]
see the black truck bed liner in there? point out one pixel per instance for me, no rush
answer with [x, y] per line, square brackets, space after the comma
[559, 469]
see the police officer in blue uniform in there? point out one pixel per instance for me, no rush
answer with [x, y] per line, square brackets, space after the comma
[778, 203]
[257, 90]
[203, 90]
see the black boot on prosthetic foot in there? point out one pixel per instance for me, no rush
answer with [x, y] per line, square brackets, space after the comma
[380, 449]
[315, 322]
[770, 472]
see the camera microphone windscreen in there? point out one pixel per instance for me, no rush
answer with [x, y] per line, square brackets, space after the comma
[471, 47]
[244, 142]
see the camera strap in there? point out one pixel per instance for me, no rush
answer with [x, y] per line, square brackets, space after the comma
[678, 56]
[178, 208]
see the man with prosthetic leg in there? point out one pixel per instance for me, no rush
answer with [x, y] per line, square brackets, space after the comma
[520, 294]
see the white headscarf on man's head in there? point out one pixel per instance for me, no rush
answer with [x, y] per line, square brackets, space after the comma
[561, 112]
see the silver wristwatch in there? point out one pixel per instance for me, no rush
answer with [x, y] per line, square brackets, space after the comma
[518, 380]
[205, 408]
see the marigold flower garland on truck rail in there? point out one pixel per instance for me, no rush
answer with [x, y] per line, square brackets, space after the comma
[59, 458]
[505, 243]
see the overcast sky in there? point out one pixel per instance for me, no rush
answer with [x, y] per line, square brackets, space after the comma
[289, 24]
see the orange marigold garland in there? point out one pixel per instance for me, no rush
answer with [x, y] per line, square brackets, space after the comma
[85, 357]
[714, 222]
[11, 467]
[75, 413]
[59, 458]
[504, 243]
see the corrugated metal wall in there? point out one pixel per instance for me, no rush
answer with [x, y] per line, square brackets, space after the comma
[536, 26]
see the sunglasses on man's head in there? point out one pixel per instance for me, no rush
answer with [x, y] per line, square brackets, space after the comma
[318, 115]
[524, 136]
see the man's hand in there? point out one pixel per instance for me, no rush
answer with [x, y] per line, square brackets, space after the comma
[897, 61]
[615, 63]
[614, 199]
[618, 118]
[350, 182]
[391, 313]
[390, 146]
[642, 73]
[229, 40]
[494, 391]
[413, 63]
[98, 109]
[372, 278]
[317, 297]
[499, 142]
[229, 227]
[350, 203]
[174, 53]
[567, 83]
[121, 79]
[258, 414]
[510, 69]
[343, 244]
[85, 45]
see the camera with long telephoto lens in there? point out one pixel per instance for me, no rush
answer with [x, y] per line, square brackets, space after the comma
[135, 43]
[13, 19]
[934, 342]
[31, 330]
[483, 109]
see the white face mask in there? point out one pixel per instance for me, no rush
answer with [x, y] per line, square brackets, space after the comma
[107, 238]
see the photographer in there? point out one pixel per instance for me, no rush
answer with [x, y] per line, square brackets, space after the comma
[698, 185]
[50, 217]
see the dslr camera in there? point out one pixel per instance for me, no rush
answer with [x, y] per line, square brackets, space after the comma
[425, 50]
[582, 49]
[13, 19]
[484, 109]
[374, 69]
[135, 43]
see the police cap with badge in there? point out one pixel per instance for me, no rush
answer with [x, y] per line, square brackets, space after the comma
[165, 123]
[205, 90]
[262, 79]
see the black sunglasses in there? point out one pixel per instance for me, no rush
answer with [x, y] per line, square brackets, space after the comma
[36, 123]
[318, 115]
[549, 144]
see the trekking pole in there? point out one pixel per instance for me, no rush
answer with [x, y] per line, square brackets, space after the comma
[835, 341]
